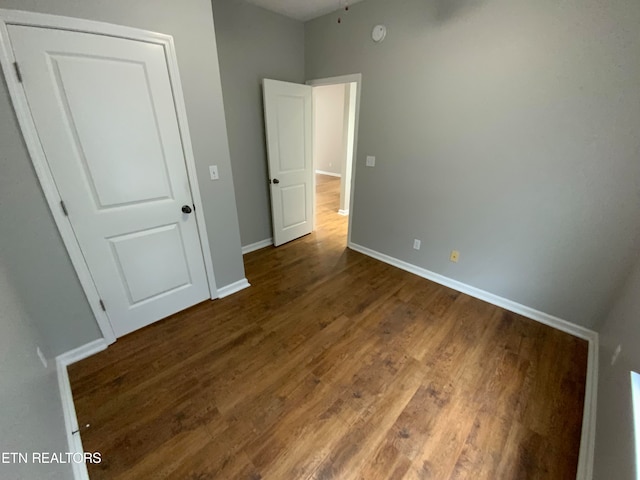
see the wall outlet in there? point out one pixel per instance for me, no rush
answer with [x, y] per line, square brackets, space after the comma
[455, 254]
[213, 172]
[616, 354]
[371, 161]
[42, 357]
[416, 244]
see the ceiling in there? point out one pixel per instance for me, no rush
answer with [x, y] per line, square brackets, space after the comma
[303, 9]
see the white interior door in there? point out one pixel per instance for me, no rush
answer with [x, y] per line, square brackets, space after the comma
[104, 111]
[288, 120]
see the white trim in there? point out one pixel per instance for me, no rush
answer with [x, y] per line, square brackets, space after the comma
[352, 77]
[233, 288]
[74, 441]
[331, 174]
[38, 157]
[344, 213]
[252, 247]
[635, 400]
[357, 78]
[82, 352]
[587, 438]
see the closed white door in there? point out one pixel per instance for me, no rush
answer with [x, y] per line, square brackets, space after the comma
[288, 118]
[104, 111]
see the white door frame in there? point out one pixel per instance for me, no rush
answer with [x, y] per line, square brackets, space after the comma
[357, 78]
[38, 158]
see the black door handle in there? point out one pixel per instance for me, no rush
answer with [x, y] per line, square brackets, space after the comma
[275, 180]
[186, 209]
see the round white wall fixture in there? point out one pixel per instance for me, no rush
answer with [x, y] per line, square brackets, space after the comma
[378, 33]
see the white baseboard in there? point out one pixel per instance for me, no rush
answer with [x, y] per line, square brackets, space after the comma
[344, 213]
[505, 303]
[331, 174]
[587, 441]
[82, 352]
[66, 397]
[233, 288]
[257, 246]
[588, 435]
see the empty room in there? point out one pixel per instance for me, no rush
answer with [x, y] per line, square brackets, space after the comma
[320, 239]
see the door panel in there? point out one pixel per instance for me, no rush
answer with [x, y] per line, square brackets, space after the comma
[291, 138]
[104, 110]
[289, 129]
[146, 272]
[294, 197]
[111, 97]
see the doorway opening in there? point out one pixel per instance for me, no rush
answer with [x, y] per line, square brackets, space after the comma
[289, 128]
[334, 141]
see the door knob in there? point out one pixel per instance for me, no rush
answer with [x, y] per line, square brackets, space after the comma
[275, 180]
[186, 209]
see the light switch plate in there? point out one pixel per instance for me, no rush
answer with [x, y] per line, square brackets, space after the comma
[213, 172]
[371, 161]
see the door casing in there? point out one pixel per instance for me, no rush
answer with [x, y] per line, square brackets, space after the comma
[357, 78]
[43, 172]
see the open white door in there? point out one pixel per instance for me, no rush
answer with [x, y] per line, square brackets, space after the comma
[105, 115]
[288, 120]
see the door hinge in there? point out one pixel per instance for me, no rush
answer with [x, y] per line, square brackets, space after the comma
[16, 67]
[64, 208]
[104, 309]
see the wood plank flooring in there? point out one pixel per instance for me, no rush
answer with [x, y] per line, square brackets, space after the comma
[335, 366]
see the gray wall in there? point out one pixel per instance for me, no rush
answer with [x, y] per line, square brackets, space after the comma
[506, 129]
[615, 456]
[36, 260]
[31, 419]
[253, 44]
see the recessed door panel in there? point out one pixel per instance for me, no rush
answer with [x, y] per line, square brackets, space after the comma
[294, 197]
[104, 100]
[107, 106]
[152, 262]
[291, 138]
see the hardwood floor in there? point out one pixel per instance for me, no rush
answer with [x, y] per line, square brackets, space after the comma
[334, 365]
